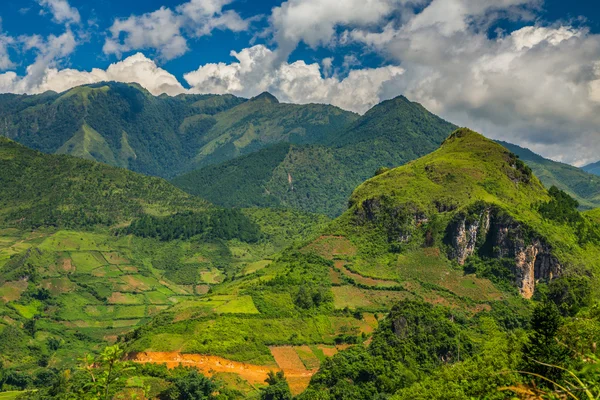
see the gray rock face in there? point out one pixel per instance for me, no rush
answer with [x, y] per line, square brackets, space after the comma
[504, 238]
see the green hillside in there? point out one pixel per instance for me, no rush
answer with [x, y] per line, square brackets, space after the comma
[263, 121]
[455, 244]
[581, 185]
[592, 168]
[124, 125]
[48, 190]
[320, 178]
[89, 252]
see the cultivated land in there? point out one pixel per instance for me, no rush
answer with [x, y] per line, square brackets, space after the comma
[440, 278]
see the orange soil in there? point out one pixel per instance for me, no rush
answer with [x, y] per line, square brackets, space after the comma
[254, 374]
[287, 358]
[298, 376]
[328, 351]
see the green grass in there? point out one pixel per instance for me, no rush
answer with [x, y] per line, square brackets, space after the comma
[239, 305]
[10, 395]
[86, 262]
[30, 310]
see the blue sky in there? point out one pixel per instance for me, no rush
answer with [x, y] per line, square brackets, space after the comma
[525, 71]
[22, 17]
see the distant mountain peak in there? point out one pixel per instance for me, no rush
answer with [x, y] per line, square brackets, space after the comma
[266, 97]
[593, 168]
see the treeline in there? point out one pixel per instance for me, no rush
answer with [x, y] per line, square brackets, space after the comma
[219, 224]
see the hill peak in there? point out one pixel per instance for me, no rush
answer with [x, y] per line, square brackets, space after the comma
[467, 167]
[266, 97]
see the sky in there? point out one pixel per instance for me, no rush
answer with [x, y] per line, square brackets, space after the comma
[523, 71]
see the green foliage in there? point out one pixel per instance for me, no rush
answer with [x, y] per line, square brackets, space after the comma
[190, 385]
[415, 338]
[217, 224]
[278, 388]
[577, 183]
[44, 190]
[320, 177]
[542, 346]
[561, 208]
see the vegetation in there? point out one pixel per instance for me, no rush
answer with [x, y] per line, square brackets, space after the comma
[124, 125]
[219, 224]
[578, 183]
[319, 178]
[44, 190]
[457, 275]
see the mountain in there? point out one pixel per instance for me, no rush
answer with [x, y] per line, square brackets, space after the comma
[88, 252]
[593, 168]
[38, 189]
[319, 178]
[432, 267]
[263, 121]
[124, 125]
[582, 186]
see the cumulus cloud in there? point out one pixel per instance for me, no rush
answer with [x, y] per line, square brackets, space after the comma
[256, 71]
[159, 30]
[49, 52]
[204, 16]
[61, 11]
[164, 30]
[136, 68]
[314, 22]
[5, 42]
[538, 86]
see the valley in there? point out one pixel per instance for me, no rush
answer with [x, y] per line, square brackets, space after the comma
[374, 275]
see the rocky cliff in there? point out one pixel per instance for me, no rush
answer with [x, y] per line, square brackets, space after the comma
[491, 233]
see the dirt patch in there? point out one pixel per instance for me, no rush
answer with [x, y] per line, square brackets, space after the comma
[332, 246]
[335, 277]
[287, 358]
[210, 365]
[329, 351]
[363, 280]
[128, 268]
[202, 289]
[67, 266]
[58, 286]
[11, 291]
[136, 283]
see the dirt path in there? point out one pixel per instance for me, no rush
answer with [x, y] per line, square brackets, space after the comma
[209, 365]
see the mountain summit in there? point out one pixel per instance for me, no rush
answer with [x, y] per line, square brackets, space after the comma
[266, 97]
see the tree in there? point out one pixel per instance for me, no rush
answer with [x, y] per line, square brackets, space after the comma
[543, 346]
[190, 385]
[278, 388]
[106, 372]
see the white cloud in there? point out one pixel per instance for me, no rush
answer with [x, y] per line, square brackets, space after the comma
[136, 68]
[49, 52]
[160, 30]
[314, 21]
[203, 16]
[5, 42]
[538, 86]
[164, 29]
[61, 11]
[256, 71]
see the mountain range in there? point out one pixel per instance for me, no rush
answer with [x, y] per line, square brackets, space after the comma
[452, 261]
